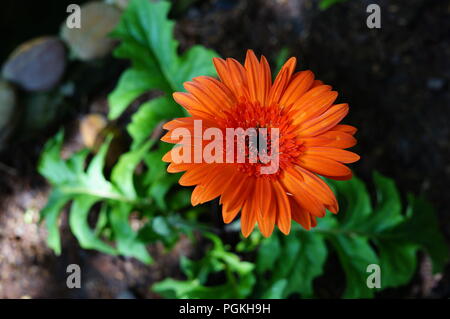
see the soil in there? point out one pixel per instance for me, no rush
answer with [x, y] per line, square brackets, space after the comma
[395, 79]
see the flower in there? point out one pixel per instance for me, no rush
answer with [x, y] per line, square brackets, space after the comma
[310, 142]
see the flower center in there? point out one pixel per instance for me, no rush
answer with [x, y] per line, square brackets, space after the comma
[280, 145]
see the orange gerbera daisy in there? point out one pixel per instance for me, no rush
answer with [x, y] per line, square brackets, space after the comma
[311, 142]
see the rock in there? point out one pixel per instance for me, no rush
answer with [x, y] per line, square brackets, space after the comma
[94, 130]
[41, 111]
[92, 40]
[36, 65]
[8, 111]
[91, 126]
[122, 4]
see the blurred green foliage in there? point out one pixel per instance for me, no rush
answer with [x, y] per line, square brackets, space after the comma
[239, 275]
[325, 4]
[280, 59]
[103, 201]
[147, 40]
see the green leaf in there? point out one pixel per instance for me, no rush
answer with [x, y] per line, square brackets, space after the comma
[51, 166]
[158, 181]
[239, 275]
[180, 199]
[398, 262]
[146, 39]
[276, 291]
[354, 200]
[160, 188]
[146, 36]
[132, 84]
[355, 255]
[197, 61]
[269, 252]
[81, 187]
[361, 235]
[421, 228]
[325, 4]
[128, 241]
[149, 115]
[170, 288]
[166, 229]
[122, 174]
[78, 221]
[50, 213]
[389, 207]
[298, 258]
[281, 58]
[309, 263]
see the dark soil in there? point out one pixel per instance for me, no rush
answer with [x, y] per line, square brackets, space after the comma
[395, 79]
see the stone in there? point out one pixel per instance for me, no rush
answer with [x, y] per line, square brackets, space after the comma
[92, 40]
[91, 127]
[122, 4]
[41, 111]
[36, 65]
[8, 111]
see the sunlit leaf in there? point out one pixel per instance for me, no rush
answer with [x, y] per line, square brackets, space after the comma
[82, 188]
[146, 36]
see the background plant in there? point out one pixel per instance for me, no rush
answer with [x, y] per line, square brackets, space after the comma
[147, 41]
[361, 234]
[103, 199]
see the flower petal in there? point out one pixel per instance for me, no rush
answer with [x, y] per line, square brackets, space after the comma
[216, 180]
[345, 128]
[284, 208]
[316, 186]
[299, 214]
[303, 195]
[235, 194]
[300, 84]
[325, 121]
[308, 108]
[336, 154]
[323, 166]
[282, 81]
[331, 139]
[194, 175]
[265, 216]
[258, 77]
[232, 74]
[248, 217]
